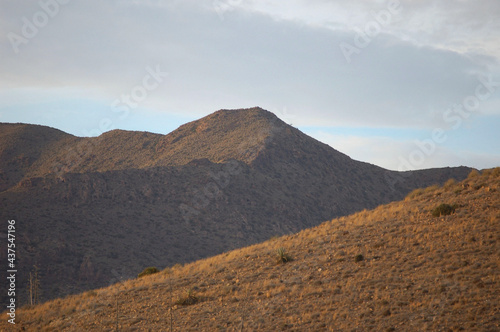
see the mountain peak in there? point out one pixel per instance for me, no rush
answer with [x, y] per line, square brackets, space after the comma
[232, 178]
[226, 134]
[256, 112]
[240, 118]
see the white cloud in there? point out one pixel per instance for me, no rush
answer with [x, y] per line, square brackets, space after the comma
[458, 25]
[241, 61]
[242, 53]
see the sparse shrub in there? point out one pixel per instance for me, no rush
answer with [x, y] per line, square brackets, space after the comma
[91, 293]
[148, 271]
[487, 172]
[415, 193]
[474, 173]
[359, 258]
[450, 183]
[282, 256]
[431, 189]
[444, 210]
[495, 172]
[188, 299]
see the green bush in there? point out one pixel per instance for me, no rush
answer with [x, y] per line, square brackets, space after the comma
[444, 210]
[359, 258]
[148, 271]
[282, 256]
[189, 299]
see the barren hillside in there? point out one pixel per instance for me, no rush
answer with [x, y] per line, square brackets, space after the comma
[399, 267]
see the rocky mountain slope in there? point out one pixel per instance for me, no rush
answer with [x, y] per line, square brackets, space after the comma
[91, 211]
[399, 267]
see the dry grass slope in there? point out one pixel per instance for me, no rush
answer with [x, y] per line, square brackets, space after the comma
[418, 272]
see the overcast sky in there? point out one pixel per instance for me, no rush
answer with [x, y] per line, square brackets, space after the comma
[403, 85]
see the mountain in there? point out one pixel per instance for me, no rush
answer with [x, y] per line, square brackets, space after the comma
[399, 266]
[91, 211]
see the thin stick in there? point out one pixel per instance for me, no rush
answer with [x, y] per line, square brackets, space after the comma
[171, 301]
[117, 311]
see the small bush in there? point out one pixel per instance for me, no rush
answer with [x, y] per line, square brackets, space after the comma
[189, 299]
[91, 293]
[359, 258]
[282, 256]
[431, 189]
[415, 193]
[444, 210]
[148, 271]
[474, 173]
[450, 183]
[495, 172]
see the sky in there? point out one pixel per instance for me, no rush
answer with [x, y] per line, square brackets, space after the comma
[408, 84]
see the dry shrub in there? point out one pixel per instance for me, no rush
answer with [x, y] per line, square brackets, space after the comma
[444, 210]
[474, 173]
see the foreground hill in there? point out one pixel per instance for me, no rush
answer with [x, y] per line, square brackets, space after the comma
[393, 268]
[91, 209]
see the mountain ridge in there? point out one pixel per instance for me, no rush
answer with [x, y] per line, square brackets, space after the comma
[89, 153]
[84, 154]
[230, 179]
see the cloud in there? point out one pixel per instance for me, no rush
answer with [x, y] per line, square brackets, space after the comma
[243, 60]
[462, 26]
[243, 53]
